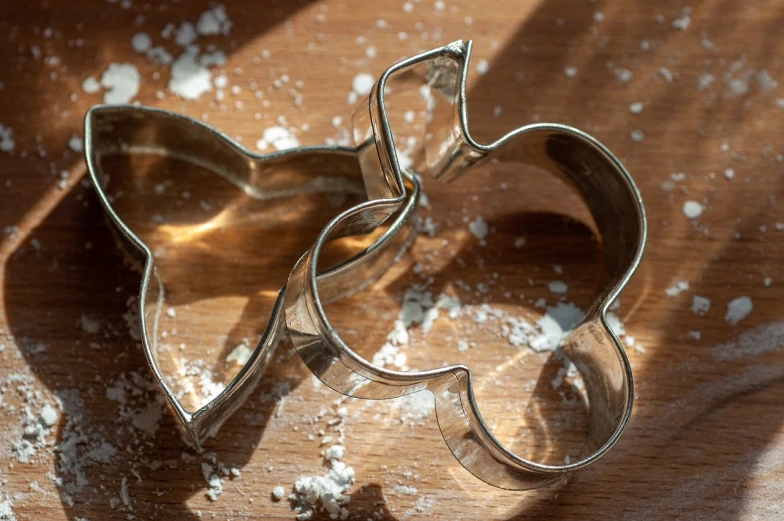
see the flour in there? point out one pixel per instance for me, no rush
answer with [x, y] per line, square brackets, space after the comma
[738, 309]
[755, 342]
[6, 139]
[189, 79]
[700, 305]
[121, 81]
[326, 492]
[692, 209]
[278, 137]
[362, 84]
[241, 353]
[6, 513]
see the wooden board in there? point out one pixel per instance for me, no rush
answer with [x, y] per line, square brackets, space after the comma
[705, 440]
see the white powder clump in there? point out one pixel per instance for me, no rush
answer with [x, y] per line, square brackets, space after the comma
[48, 415]
[213, 480]
[76, 144]
[692, 209]
[280, 138]
[636, 135]
[683, 21]
[189, 79]
[738, 309]
[278, 493]
[326, 491]
[482, 67]
[558, 287]
[478, 228]
[6, 513]
[7, 142]
[335, 452]
[362, 83]
[676, 288]
[635, 108]
[700, 305]
[214, 21]
[141, 42]
[240, 354]
[121, 81]
[554, 325]
[570, 72]
[90, 85]
[186, 34]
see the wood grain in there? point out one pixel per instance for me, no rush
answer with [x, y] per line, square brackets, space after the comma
[705, 440]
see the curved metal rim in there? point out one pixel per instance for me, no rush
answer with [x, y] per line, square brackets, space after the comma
[461, 52]
[187, 417]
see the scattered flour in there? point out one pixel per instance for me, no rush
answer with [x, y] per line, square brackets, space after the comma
[761, 339]
[240, 354]
[278, 493]
[676, 288]
[478, 228]
[6, 513]
[326, 492]
[6, 139]
[189, 78]
[738, 309]
[141, 42]
[362, 83]
[700, 305]
[280, 138]
[692, 209]
[121, 81]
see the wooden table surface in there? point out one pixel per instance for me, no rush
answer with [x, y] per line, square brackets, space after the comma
[705, 440]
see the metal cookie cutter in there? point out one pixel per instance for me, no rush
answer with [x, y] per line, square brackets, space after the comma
[126, 129]
[568, 153]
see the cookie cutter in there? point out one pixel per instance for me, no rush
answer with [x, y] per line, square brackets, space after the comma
[129, 129]
[572, 155]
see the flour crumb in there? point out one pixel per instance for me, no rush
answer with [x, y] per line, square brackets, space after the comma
[121, 81]
[241, 353]
[683, 21]
[636, 135]
[676, 288]
[278, 493]
[214, 21]
[141, 42]
[280, 138]
[635, 108]
[362, 83]
[189, 78]
[478, 228]
[700, 305]
[692, 209]
[558, 287]
[90, 85]
[6, 513]
[738, 309]
[482, 67]
[7, 142]
[76, 144]
[570, 72]
[326, 492]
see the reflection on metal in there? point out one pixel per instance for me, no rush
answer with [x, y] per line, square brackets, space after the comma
[577, 158]
[125, 129]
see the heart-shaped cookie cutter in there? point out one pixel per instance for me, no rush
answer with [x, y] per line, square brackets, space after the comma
[128, 129]
[573, 156]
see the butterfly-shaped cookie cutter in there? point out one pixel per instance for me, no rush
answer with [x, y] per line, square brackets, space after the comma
[128, 129]
[573, 156]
